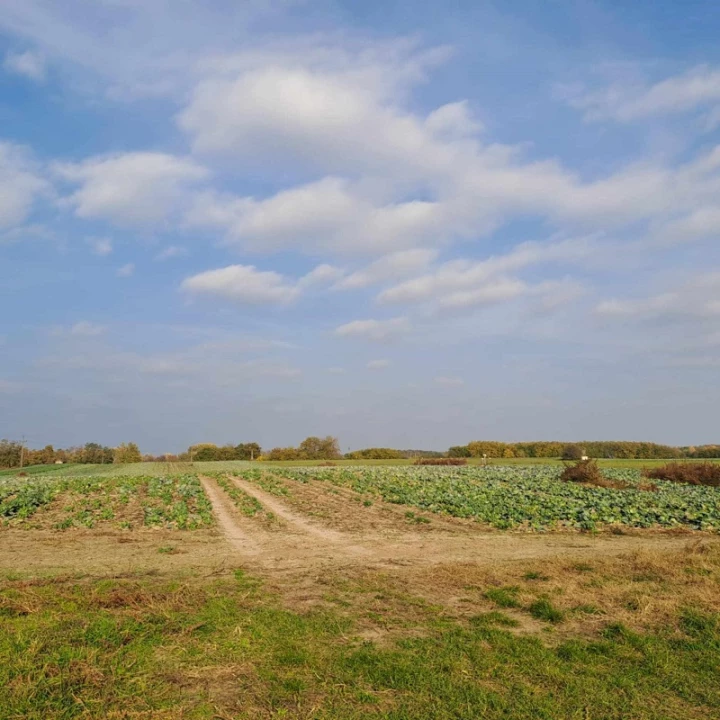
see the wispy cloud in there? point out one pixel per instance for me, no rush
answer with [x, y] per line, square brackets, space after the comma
[378, 330]
[126, 270]
[30, 65]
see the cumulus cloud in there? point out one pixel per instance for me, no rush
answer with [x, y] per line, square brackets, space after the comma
[378, 364]
[171, 251]
[697, 299]
[467, 283]
[137, 188]
[321, 275]
[28, 64]
[630, 101]
[247, 284]
[126, 270]
[389, 179]
[389, 267]
[243, 283]
[21, 183]
[100, 246]
[377, 330]
[330, 214]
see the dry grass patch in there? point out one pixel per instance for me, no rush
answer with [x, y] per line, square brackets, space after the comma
[646, 590]
[690, 473]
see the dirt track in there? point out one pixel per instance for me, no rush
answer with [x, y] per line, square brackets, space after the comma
[320, 528]
[390, 541]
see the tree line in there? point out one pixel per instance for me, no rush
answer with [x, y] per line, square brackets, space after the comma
[14, 454]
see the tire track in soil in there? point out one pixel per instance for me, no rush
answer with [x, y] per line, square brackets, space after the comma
[337, 543]
[225, 516]
[308, 546]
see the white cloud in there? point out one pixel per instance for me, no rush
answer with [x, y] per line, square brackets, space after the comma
[378, 364]
[386, 178]
[378, 330]
[20, 184]
[494, 291]
[449, 381]
[87, 329]
[126, 270]
[116, 45]
[389, 267]
[632, 101]
[100, 246]
[137, 188]
[172, 251]
[698, 298]
[311, 102]
[28, 64]
[243, 283]
[330, 214]
[462, 283]
[321, 275]
[701, 223]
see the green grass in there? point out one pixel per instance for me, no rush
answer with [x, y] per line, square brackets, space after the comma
[164, 469]
[160, 648]
[37, 470]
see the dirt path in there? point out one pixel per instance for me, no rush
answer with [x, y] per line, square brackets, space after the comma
[308, 544]
[292, 518]
[226, 518]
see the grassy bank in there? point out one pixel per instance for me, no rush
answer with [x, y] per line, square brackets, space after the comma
[192, 647]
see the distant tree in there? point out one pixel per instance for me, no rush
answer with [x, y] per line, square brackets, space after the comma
[206, 454]
[572, 452]
[9, 453]
[203, 452]
[375, 454]
[459, 451]
[314, 448]
[248, 451]
[286, 453]
[127, 453]
[479, 448]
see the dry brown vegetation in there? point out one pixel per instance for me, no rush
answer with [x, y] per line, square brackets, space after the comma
[690, 473]
[588, 473]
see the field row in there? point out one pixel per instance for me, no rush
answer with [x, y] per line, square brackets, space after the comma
[525, 497]
[502, 497]
[86, 501]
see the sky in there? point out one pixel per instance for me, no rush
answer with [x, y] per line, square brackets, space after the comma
[403, 224]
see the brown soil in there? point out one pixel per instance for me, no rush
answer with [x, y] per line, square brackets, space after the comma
[344, 550]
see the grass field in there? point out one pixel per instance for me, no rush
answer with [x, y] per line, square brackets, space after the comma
[238, 590]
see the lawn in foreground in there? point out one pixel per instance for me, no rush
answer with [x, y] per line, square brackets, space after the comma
[144, 646]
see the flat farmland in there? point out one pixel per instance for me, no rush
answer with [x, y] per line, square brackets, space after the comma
[239, 590]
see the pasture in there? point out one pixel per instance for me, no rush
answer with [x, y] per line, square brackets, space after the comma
[364, 590]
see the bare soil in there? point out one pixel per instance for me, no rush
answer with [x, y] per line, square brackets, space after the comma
[332, 549]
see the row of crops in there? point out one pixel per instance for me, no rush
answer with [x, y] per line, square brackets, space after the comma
[531, 497]
[527, 497]
[60, 502]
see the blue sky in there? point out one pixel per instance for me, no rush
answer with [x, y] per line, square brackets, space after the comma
[404, 224]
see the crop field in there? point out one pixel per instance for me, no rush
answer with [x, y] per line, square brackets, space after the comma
[524, 497]
[117, 500]
[234, 590]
